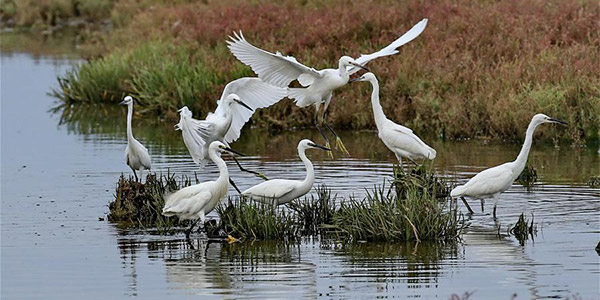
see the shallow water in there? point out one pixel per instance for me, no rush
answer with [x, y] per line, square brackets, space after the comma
[58, 176]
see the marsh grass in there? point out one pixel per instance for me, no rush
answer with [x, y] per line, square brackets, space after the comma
[315, 213]
[594, 182]
[523, 229]
[139, 205]
[528, 177]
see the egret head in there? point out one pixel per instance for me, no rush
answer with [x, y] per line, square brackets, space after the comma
[365, 77]
[126, 101]
[347, 61]
[542, 118]
[220, 147]
[308, 144]
[233, 98]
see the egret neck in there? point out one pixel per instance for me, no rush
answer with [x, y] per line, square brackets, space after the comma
[522, 158]
[310, 171]
[129, 116]
[223, 172]
[377, 109]
[342, 68]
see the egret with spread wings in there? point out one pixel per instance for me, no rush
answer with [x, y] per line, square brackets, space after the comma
[490, 183]
[280, 70]
[401, 140]
[281, 191]
[237, 104]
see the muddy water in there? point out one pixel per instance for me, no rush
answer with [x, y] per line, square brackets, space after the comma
[58, 174]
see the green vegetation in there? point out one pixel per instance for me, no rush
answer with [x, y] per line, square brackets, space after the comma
[44, 14]
[528, 177]
[488, 66]
[594, 182]
[523, 229]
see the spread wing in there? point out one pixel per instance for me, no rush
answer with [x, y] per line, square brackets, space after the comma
[272, 68]
[253, 92]
[392, 48]
[195, 134]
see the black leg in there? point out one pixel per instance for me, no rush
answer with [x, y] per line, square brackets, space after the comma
[234, 186]
[258, 174]
[338, 141]
[134, 174]
[467, 205]
[187, 232]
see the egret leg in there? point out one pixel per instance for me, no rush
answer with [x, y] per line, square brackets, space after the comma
[258, 174]
[495, 204]
[234, 186]
[466, 204]
[329, 153]
[338, 141]
[187, 232]
[134, 174]
[482, 203]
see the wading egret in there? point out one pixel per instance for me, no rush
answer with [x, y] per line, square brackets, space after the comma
[401, 140]
[280, 70]
[196, 201]
[491, 182]
[136, 155]
[280, 191]
[237, 104]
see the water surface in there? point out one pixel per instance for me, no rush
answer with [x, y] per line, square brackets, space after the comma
[59, 172]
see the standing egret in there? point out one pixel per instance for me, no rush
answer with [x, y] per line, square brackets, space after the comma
[281, 191]
[237, 104]
[490, 183]
[280, 70]
[401, 140]
[196, 201]
[136, 155]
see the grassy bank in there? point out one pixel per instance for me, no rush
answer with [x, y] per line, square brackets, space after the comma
[480, 69]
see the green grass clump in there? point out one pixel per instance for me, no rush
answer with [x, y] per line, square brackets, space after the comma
[523, 229]
[139, 205]
[314, 212]
[248, 219]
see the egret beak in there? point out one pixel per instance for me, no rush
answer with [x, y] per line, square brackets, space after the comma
[319, 146]
[558, 121]
[124, 102]
[355, 79]
[244, 104]
[357, 65]
[233, 151]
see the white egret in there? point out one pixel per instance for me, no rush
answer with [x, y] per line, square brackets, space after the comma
[136, 155]
[490, 183]
[280, 191]
[226, 123]
[280, 70]
[401, 140]
[196, 201]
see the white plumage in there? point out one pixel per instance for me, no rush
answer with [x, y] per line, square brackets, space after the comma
[490, 183]
[401, 140]
[280, 191]
[196, 201]
[136, 155]
[226, 123]
[319, 85]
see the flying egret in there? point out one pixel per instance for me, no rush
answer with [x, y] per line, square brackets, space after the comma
[280, 70]
[196, 201]
[136, 155]
[490, 183]
[401, 140]
[237, 104]
[282, 191]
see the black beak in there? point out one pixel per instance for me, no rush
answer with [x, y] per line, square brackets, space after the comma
[357, 65]
[355, 79]
[559, 121]
[243, 104]
[319, 146]
[122, 103]
[233, 151]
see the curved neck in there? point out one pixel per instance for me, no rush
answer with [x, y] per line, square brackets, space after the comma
[522, 158]
[223, 172]
[343, 70]
[377, 109]
[310, 171]
[129, 116]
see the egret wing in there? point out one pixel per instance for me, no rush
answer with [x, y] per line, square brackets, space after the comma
[275, 188]
[392, 48]
[195, 134]
[187, 201]
[272, 68]
[253, 92]
[490, 181]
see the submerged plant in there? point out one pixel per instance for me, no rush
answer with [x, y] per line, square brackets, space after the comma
[523, 229]
[139, 205]
[528, 177]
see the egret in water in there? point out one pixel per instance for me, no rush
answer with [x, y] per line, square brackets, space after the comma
[490, 183]
[280, 70]
[196, 201]
[237, 104]
[136, 155]
[401, 140]
[281, 191]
